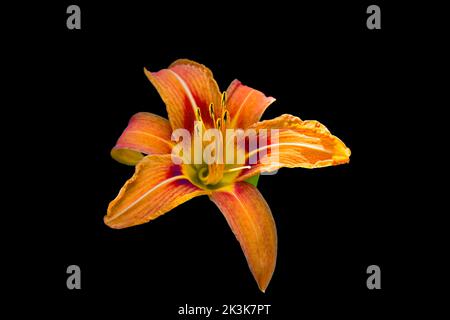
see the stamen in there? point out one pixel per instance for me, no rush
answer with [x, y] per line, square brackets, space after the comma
[199, 115]
[211, 110]
[219, 123]
[238, 168]
[225, 116]
[224, 98]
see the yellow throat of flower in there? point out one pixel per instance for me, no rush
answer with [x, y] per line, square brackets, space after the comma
[216, 174]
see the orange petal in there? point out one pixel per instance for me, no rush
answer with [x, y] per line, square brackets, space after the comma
[157, 186]
[298, 143]
[249, 216]
[146, 133]
[246, 105]
[184, 86]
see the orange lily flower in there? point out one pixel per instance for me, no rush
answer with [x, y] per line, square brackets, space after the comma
[159, 184]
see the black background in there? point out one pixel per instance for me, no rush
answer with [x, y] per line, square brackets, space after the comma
[320, 62]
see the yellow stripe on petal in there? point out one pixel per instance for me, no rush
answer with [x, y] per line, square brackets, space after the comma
[251, 221]
[146, 133]
[157, 186]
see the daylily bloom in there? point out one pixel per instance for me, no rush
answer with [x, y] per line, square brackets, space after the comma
[158, 185]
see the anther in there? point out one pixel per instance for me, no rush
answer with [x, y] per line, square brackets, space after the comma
[225, 116]
[199, 115]
[211, 110]
[224, 98]
[219, 123]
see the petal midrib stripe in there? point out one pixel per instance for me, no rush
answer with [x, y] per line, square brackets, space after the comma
[236, 115]
[153, 136]
[162, 183]
[186, 89]
[291, 144]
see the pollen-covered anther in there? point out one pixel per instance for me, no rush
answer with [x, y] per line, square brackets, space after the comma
[211, 110]
[219, 123]
[198, 115]
[224, 98]
[225, 116]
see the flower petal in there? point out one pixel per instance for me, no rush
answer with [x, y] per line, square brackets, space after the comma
[246, 105]
[146, 133]
[184, 86]
[157, 186]
[297, 143]
[251, 221]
